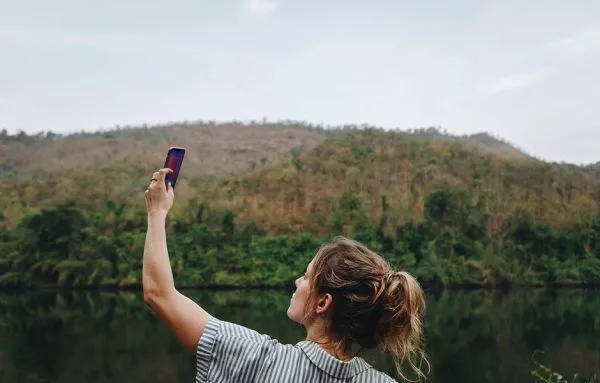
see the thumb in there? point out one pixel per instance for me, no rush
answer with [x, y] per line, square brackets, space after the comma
[169, 187]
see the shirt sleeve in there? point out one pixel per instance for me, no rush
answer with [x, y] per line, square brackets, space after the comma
[228, 352]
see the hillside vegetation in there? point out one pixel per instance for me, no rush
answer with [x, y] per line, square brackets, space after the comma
[45, 169]
[212, 149]
[389, 176]
[447, 209]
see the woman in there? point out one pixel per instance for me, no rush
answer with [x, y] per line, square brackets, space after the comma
[349, 297]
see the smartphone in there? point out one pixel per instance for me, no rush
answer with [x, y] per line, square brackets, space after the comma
[173, 162]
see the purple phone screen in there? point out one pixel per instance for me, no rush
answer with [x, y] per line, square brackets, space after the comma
[173, 162]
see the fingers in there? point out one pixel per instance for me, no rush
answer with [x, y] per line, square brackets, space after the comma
[161, 174]
[159, 194]
[158, 177]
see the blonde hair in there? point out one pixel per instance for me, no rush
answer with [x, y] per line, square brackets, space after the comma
[373, 306]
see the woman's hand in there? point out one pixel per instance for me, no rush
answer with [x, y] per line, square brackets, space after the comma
[159, 197]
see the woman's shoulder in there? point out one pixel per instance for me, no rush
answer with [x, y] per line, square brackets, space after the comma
[238, 331]
[371, 374]
[228, 351]
[233, 332]
[379, 377]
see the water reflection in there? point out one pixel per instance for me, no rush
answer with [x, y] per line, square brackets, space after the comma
[472, 336]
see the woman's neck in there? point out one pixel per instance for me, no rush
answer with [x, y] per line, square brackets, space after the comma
[316, 333]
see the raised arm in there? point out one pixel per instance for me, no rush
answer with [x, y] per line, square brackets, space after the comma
[183, 316]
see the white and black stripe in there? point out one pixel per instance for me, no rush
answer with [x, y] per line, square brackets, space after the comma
[228, 352]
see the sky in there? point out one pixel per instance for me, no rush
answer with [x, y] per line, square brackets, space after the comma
[523, 70]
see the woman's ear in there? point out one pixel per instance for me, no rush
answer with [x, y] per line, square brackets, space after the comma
[325, 304]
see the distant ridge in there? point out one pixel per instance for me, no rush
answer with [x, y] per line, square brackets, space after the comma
[213, 148]
[496, 145]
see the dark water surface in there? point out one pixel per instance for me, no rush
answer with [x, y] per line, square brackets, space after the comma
[472, 336]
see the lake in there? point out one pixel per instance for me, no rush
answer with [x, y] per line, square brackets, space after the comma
[472, 335]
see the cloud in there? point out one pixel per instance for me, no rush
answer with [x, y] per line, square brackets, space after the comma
[583, 41]
[515, 80]
[262, 7]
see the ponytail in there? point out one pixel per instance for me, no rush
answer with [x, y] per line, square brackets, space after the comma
[400, 329]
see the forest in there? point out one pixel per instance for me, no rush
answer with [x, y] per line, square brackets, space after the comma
[454, 211]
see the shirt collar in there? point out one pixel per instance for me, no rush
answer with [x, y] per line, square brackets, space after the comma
[330, 365]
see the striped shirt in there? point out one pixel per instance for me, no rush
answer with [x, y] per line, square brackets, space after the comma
[228, 352]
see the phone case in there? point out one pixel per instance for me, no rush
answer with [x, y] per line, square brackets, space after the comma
[173, 162]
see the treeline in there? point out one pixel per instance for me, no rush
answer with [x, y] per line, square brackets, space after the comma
[22, 136]
[68, 246]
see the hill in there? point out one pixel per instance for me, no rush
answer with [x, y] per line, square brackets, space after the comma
[441, 207]
[45, 169]
[388, 173]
